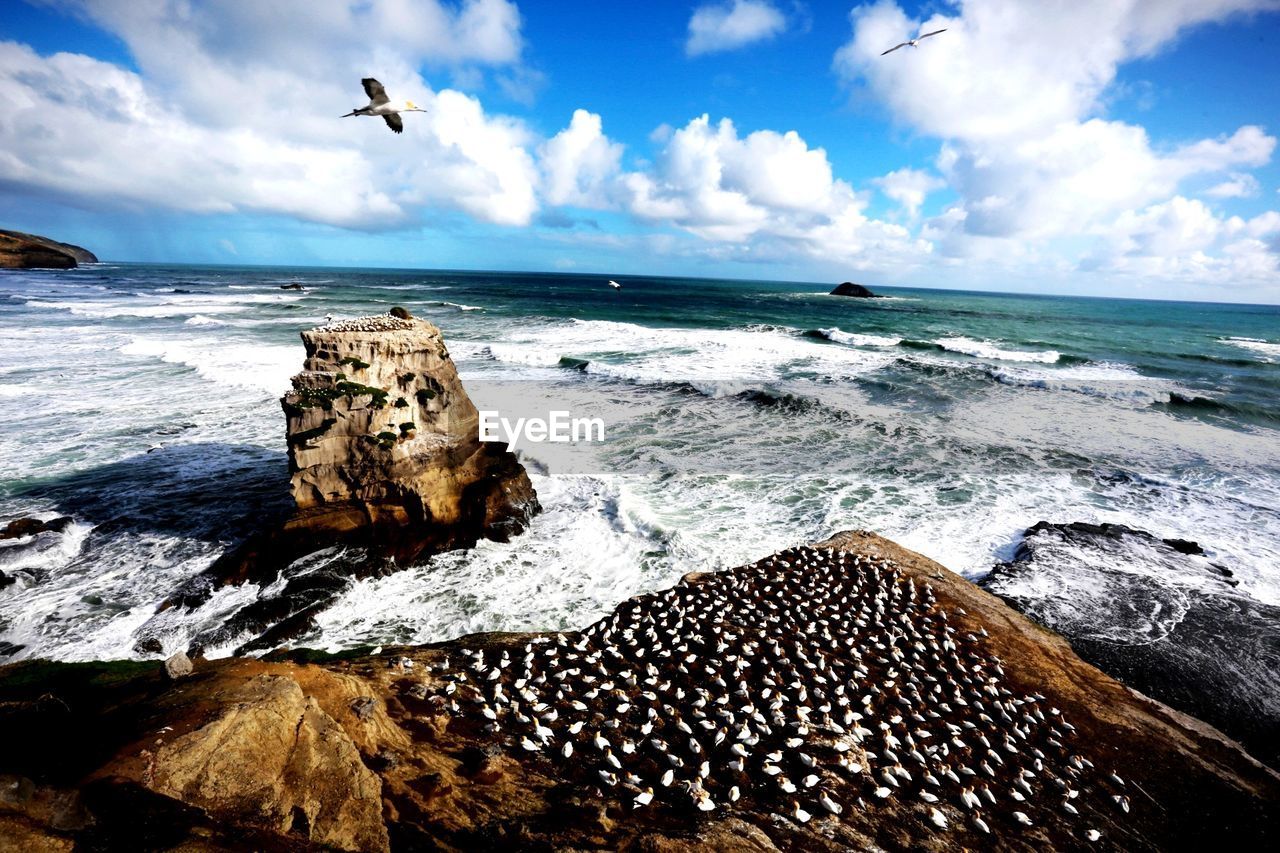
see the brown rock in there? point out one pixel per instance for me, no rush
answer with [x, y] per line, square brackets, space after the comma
[274, 757]
[384, 455]
[272, 746]
[20, 527]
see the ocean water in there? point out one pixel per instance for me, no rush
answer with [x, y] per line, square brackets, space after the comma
[741, 417]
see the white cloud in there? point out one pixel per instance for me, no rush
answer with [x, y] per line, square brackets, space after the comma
[579, 163]
[763, 195]
[236, 107]
[909, 187]
[1013, 90]
[1238, 185]
[734, 24]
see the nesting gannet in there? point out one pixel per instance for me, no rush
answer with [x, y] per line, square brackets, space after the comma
[915, 42]
[831, 669]
[381, 105]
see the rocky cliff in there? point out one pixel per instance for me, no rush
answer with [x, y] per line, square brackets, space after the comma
[27, 251]
[385, 459]
[853, 695]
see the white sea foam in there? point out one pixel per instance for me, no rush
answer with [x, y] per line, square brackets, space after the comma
[986, 349]
[166, 305]
[202, 320]
[657, 355]
[1107, 380]
[458, 305]
[262, 367]
[859, 340]
[523, 354]
[1270, 352]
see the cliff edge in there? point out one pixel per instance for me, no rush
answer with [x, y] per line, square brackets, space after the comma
[19, 250]
[849, 695]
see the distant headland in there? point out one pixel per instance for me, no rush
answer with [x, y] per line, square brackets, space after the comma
[19, 251]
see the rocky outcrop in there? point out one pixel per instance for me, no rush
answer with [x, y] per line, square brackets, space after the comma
[1158, 615]
[21, 527]
[848, 288]
[30, 251]
[273, 756]
[884, 649]
[385, 458]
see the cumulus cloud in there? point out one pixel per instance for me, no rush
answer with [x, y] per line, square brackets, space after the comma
[1237, 185]
[1182, 239]
[731, 25]
[909, 187]
[580, 163]
[762, 194]
[1015, 93]
[236, 106]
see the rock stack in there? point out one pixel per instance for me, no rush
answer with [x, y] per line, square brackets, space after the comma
[385, 458]
[380, 428]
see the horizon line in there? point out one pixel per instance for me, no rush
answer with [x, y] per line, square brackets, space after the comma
[477, 271]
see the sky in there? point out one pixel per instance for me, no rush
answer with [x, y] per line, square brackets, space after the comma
[1094, 147]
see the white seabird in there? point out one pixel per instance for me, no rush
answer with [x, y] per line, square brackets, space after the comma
[614, 285]
[381, 105]
[915, 42]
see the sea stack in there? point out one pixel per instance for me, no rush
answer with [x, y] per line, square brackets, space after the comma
[848, 288]
[385, 460]
[382, 434]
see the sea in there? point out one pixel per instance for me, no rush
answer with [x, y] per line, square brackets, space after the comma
[741, 417]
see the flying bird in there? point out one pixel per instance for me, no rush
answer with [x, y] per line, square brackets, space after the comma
[614, 285]
[381, 105]
[915, 42]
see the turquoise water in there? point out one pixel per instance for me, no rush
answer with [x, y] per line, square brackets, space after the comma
[742, 417]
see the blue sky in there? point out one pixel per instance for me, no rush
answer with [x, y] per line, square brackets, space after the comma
[1087, 147]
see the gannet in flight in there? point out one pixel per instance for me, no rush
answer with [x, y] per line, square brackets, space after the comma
[915, 42]
[614, 285]
[381, 105]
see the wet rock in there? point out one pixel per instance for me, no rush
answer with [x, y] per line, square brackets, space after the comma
[178, 666]
[20, 527]
[1156, 614]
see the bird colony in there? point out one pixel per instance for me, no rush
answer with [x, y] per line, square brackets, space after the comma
[373, 323]
[810, 684]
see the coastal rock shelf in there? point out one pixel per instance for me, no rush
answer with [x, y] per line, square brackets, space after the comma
[853, 695]
[385, 462]
[1160, 616]
[811, 683]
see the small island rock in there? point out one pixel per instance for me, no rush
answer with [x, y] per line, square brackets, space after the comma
[848, 288]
